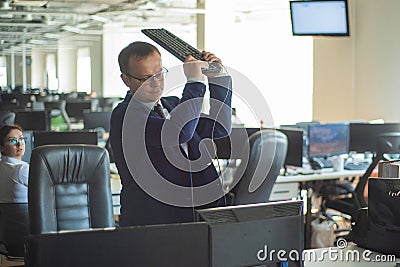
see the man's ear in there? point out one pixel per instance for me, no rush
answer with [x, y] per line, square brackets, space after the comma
[125, 79]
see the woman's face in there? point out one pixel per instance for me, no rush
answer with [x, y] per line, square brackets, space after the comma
[14, 145]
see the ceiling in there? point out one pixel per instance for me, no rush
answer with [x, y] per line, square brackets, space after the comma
[40, 24]
[25, 24]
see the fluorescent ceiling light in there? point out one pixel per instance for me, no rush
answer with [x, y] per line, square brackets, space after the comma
[29, 3]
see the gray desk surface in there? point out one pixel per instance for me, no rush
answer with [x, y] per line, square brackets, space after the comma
[351, 256]
[327, 174]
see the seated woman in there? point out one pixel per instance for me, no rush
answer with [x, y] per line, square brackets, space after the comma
[14, 175]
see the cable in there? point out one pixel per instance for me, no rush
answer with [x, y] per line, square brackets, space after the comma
[212, 138]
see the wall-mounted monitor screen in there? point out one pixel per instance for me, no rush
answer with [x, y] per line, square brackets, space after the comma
[320, 18]
[328, 139]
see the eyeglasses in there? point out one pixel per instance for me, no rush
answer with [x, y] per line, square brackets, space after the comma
[13, 141]
[159, 75]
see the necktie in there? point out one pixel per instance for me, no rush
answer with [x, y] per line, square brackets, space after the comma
[159, 110]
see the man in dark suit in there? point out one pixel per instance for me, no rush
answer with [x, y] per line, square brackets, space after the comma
[165, 167]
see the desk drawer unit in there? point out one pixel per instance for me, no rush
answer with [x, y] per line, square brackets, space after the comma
[284, 191]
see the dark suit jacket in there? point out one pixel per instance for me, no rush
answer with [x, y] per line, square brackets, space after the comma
[137, 206]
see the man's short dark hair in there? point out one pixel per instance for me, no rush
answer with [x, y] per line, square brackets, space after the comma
[136, 49]
[5, 130]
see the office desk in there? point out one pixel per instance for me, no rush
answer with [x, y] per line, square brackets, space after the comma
[307, 183]
[351, 256]
[325, 174]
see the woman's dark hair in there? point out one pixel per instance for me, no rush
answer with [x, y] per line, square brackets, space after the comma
[5, 130]
[136, 49]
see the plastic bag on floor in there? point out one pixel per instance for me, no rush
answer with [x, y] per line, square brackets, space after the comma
[322, 233]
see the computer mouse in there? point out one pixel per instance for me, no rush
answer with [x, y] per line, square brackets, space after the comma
[316, 163]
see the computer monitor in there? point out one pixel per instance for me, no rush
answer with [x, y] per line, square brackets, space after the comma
[320, 18]
[246, 235]
[364, 136]
[75, 109]
[99, 119]
[177, 245]
[238, 136]
[36, 120]
[62, 138]
[328, 140]
[294, 155]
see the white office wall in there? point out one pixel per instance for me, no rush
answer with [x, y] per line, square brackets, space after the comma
[38, 69]
[3, 71]
[357, 78]
[377, 69]
[84, 70]
[66, 66]
[259, 44]
[51, 72]
[116, 37]
[96, 59]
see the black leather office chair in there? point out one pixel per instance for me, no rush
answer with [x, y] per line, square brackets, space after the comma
[14, 227]
[69, 188]
[349, 200]
[6, 117]
[257, 175]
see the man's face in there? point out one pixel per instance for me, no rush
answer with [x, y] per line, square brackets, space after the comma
[144, 87]
[12, 148]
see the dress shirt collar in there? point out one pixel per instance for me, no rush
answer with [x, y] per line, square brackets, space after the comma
[150, 105]
[11, 160]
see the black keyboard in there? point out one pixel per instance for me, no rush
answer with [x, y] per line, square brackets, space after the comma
[177, 47]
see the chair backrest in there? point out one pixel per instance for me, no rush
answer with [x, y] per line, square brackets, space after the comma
[266, 158]
[69, 188]
[6, 117]
[388, 143]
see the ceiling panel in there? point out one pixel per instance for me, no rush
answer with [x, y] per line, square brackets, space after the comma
[35, 22]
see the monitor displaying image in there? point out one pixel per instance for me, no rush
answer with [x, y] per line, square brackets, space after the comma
[326, 140]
